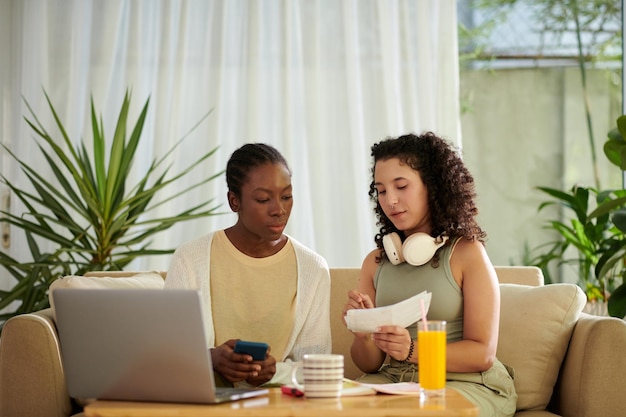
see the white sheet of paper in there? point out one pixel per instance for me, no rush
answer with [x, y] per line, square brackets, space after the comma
[402, 314]
[397, 388]
[355, 388]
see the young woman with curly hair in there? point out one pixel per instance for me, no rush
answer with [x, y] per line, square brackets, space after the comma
[422, 189]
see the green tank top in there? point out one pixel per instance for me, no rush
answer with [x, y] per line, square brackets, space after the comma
[395, 283]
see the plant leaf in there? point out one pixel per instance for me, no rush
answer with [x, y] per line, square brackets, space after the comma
[617, 302]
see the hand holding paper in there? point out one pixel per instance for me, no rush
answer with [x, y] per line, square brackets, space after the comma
[401, 314]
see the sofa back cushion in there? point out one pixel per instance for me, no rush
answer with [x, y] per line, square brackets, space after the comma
[536, 324]
[342, 280]
[150, 280]
[524, 275]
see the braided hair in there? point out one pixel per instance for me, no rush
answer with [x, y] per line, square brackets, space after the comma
[450, 185]
[250, 155]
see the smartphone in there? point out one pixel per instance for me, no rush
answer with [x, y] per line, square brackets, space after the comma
[257, 350]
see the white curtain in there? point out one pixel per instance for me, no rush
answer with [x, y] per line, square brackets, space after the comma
[321, 80]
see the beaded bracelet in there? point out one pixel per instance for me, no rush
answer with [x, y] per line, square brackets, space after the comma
[411, 348]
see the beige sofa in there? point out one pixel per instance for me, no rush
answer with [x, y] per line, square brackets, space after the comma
[567, 363]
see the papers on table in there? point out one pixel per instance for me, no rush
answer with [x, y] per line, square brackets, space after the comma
[355, 388]
[401, 314]
[398, 388]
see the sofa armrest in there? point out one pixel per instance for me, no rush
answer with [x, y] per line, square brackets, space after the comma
[32, 382]
[590, 383]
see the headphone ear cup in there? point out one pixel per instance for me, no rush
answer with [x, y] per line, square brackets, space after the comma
[393, 248]
[419, 248]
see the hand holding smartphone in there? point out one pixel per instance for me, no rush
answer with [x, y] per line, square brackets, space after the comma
[257, 350]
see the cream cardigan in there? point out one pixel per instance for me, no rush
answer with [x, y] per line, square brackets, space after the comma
[189, 268]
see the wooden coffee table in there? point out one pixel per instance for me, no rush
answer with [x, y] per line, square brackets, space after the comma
[276, 404]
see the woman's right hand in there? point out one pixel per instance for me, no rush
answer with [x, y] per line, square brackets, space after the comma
[365, 354]
[234, 367]
[356, 300]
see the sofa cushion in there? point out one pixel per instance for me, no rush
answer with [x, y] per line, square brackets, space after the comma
[535, 328]
[151, 279]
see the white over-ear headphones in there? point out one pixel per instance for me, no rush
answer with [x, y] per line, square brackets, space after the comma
[416, 250]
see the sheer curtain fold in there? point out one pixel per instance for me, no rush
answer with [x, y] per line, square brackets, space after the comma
[321, 80]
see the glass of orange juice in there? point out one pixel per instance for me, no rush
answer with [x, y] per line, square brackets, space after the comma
[431, 356]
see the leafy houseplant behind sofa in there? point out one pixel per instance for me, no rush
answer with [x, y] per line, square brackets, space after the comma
[566, 363]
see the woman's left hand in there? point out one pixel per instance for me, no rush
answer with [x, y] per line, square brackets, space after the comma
[268, 369]
[395, 341]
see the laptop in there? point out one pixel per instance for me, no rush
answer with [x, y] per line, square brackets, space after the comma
[138, 345]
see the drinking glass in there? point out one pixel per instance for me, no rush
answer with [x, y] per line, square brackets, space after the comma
[431, 353]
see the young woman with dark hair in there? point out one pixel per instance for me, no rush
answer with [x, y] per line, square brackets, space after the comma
[257, 283]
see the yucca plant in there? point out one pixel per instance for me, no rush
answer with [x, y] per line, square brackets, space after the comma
[93, 219]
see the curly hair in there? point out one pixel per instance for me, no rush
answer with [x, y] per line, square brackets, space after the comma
[450, 185]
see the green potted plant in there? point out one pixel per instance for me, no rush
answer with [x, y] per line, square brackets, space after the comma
[91, 216]
[612, 264]
[596, 231]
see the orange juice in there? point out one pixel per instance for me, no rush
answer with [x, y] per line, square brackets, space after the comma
[431, 351]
